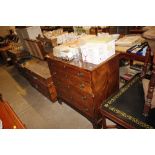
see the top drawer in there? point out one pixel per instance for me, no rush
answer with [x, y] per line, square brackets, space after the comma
[66, 69]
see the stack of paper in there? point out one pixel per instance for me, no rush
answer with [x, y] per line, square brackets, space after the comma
[97, 50]
[93, 49]
[129, 41]
[65, 52]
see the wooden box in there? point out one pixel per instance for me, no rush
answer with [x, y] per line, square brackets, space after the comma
[38, 74]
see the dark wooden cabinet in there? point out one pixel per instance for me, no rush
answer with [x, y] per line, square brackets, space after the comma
[84, 86]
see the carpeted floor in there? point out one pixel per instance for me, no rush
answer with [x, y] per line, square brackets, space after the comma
[35, 110]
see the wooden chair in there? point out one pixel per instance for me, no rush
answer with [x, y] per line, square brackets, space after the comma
[128, 108]
[37, 48]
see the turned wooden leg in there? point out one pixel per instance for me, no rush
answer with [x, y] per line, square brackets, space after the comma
[97, 126]
[151, 88]
[131, 62]
[104, 125]
[146, 109]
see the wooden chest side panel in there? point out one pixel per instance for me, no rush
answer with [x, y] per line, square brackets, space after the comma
[105, 80]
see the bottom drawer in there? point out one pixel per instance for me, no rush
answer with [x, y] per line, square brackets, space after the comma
[83, 103]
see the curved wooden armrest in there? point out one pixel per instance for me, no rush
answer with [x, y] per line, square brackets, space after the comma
[151, 88]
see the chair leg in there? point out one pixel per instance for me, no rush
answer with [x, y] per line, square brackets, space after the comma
[131, 62]
[146, 109]
[151, 88]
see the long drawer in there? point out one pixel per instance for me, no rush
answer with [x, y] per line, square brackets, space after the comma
[78, 98]
[72, 81]
[66, 70]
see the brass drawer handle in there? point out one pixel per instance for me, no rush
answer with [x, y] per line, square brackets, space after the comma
[80, 74]
[82, 86]
[84, 97]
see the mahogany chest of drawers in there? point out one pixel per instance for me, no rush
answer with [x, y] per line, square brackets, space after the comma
[84, 86]
[37, 73]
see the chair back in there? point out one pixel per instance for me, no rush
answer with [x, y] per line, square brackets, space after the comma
[35, 48]
[151, 88]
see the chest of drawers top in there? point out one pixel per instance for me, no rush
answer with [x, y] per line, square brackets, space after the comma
[77, 63]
